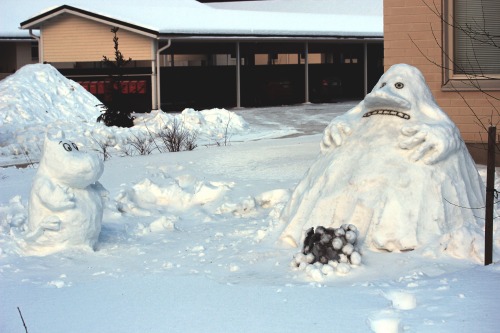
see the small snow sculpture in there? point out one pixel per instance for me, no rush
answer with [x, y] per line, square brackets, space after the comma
[66, 206]
[395, 166]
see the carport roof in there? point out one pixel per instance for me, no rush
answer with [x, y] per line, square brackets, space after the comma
[166, 18]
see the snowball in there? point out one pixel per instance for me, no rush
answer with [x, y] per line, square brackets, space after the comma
[343, 268]
[303, 265]
[355, 258]
[299, 257]
[351, 236]
[316, 274]
[333, 263]
[337, 243]
[339, 232]
[325, 238]
[348, 249]
[343, 258]
[310, 258]
[327, 270]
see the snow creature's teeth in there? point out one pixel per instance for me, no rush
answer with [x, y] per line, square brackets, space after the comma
[388, 113]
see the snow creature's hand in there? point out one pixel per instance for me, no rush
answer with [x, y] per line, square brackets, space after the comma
[430, 143]
[335, 134]
[51, 223]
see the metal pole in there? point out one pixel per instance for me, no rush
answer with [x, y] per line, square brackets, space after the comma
[238, 86]
[306, 55]
[365, 68]
[490, 196]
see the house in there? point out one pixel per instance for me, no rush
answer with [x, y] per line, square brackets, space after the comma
[456, 45]
[188, 54]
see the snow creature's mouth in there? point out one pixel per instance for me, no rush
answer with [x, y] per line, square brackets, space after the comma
[388, 113]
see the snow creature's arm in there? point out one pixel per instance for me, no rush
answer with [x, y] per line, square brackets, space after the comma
[54, 197]
[52, 223]
[97, 186]
[430, 143]
[339, 128]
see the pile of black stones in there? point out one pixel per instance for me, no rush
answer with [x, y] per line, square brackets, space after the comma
[330, 246]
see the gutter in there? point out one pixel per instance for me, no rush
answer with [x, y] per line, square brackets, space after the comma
[158, 93]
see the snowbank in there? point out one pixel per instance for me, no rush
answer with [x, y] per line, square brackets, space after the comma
[38, 96]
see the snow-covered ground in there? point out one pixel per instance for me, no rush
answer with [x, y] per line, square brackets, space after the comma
[189, 240]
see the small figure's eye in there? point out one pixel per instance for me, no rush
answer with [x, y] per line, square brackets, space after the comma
[67, 146]
[74, 145]
[399, 85]
[383, 84]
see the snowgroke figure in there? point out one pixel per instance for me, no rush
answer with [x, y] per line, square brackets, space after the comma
[66, 205]
[396, 167]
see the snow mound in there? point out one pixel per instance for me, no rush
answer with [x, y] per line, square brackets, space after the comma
[179, 194]
[40, 94]
[215, 126]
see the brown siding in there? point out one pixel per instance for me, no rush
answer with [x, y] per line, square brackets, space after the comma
[69, 38]
[407, 20]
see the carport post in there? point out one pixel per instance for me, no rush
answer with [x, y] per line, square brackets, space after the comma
[365, 68]
[238, 86]
[306, 56]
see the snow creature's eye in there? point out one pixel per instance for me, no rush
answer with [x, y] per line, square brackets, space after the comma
[74, 145]
[67, 146]
[383, 84]
[399, 85]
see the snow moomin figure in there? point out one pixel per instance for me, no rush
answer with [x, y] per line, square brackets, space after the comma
[65, 206]
[396, 167]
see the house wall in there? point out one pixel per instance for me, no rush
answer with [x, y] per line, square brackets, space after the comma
[69, 38]
[14, 55]
[407, 20]
[23, 51]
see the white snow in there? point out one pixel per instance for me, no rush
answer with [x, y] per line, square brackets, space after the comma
[189, 244]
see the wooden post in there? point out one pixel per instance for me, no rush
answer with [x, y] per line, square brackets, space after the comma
[490, 197]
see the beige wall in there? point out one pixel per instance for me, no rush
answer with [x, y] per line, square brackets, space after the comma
[69, 38]
[406, 20]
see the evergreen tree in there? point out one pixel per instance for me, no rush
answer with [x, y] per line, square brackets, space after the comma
[114, 113]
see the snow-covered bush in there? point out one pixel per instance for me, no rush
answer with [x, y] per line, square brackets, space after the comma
[329, 250]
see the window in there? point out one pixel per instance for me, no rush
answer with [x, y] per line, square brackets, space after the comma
[34, 51]
[471, 30]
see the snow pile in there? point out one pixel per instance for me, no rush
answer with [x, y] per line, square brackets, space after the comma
[38, 96]
[396, 167]
[171, 195]
[214, 126]
[66, 206]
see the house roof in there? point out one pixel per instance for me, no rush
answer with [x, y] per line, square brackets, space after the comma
[281, 18]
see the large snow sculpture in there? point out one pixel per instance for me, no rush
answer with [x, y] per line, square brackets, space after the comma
[66, 205]
[396, 167]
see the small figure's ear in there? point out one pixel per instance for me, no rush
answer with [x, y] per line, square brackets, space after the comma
[54, 135]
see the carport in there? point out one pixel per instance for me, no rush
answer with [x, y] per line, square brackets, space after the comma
[235, 71]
